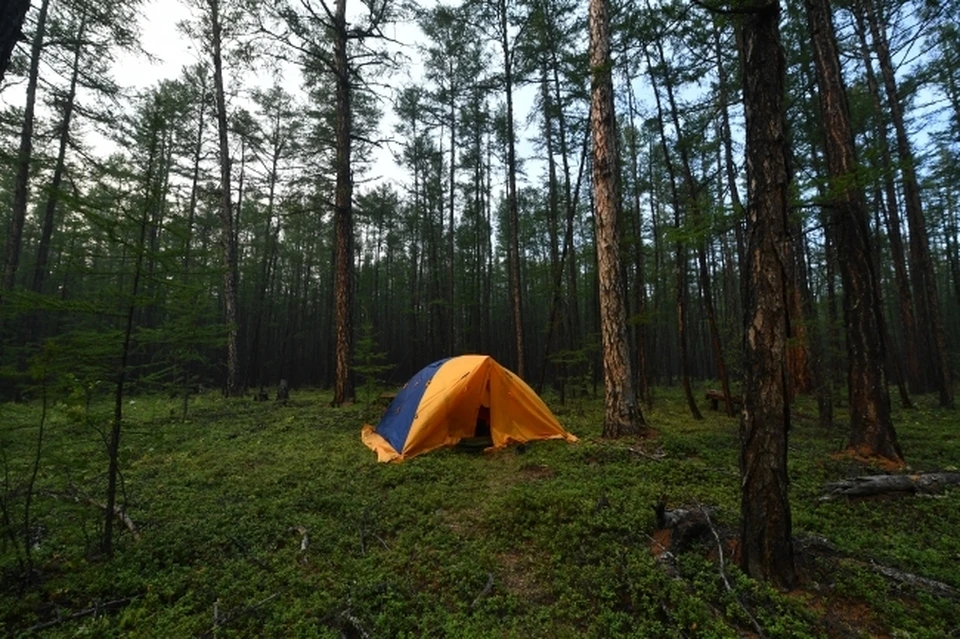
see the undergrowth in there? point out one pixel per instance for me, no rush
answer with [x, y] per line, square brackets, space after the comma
[261, 519]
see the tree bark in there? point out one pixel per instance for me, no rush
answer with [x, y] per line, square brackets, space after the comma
[871, 427]
[622, 414]
[765, 533]
[229, 248]
[343, 390]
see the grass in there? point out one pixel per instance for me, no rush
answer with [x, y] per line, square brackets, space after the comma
[561, 531]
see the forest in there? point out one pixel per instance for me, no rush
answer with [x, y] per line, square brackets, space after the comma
[679, 222]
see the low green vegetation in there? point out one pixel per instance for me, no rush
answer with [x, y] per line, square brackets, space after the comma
[261, 519]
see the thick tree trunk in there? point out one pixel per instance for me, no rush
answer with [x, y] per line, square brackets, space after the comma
[925, 282]
[343, 389]
[622, 414]
[233, 384]
[765, 533]
[11, 21]
[871, 427]
[25, 155]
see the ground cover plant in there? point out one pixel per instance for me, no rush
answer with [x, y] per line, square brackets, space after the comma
[269, 519]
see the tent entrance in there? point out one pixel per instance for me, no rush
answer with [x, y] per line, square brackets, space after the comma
[481, 438]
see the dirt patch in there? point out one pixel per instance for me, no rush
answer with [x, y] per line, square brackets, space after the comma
[533, 472]
[518, 575]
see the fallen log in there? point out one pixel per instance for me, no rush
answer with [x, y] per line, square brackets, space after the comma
[80, 498]
[890, 485]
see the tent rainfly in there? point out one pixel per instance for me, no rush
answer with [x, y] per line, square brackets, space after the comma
[457, 398]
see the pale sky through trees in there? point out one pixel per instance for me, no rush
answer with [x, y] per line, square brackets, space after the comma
[162, 39]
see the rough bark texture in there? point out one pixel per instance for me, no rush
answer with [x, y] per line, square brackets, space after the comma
[871, 427]
[622, 414]
[22, 184]
[343, 389]
[925, 283]
[765, 533]
[226, 210]
[11, 21]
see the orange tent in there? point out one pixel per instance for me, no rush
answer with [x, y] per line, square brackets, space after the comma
[457, 398]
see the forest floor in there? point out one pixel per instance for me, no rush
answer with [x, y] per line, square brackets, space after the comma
[269, 520]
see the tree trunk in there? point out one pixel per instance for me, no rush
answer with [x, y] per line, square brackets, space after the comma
[639, 290]
[343, 390]
[681, 254]
[25, 155]
[911, 346]
[622, 413]
[693, 206]
[233, 384]
[925, 280]
[516, 290]
[765, 532]
[43, 248]
[871, 427]
[113, 445]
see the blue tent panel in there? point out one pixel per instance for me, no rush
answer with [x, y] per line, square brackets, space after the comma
[396, 422]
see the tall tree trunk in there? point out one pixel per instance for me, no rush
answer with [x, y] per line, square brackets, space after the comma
[911, 350]
[554, 341]
[24, 157]
[693, 206]
[953, 238]
[871, 427]
[113, 444]
[270, 241]
[639, 291]
[450, 325]
[343, 389]
[229, 248]
[925, 282]
[622, 414]
[43, 248]
[766, 549]
[513, 239]
[681, 254]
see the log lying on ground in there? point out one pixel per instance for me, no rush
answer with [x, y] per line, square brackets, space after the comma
[890, 485]
[80, 498]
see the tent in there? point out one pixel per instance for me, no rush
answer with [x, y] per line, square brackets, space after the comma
[456, 398]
